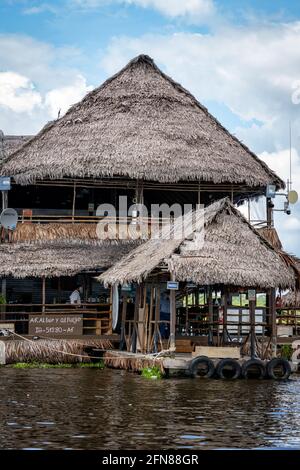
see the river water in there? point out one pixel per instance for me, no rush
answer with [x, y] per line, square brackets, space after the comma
[109, 409]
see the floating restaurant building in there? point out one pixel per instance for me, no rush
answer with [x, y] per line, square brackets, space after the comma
[143, 136]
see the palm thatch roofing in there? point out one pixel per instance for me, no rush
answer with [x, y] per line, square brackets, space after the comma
[10, 143]
[233, 253]
[79, 233]
[139, 124]
[291, 299]
[21, 260]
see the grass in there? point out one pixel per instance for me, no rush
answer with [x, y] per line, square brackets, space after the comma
[152, 373]
[42, 365]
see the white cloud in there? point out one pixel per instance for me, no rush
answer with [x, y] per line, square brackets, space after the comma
[41, 8]
[36, 80]
[192, 9]
[60, 99]
[251, 70]
[17, 93]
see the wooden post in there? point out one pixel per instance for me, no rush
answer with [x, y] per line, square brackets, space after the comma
[123, 324]
[252, 305]
[136, 317]
[43, 293]
[210, 318]
[272, 312]
[269, 212]
[150, 325]
[157, 317]
[225, 318]
[172, 317]
[74, 202]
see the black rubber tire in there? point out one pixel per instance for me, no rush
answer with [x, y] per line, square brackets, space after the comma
[278, 362]
[231, 363]
[253, 363]
[204, 361]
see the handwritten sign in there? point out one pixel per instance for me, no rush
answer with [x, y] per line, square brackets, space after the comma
[55, 325]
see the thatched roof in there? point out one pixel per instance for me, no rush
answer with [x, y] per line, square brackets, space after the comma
[139, 124]
[10, 143]
[60, 259]
[291, 299]
[79, 233]
[233, 253]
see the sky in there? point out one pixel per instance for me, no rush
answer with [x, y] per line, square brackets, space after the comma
[240, 58]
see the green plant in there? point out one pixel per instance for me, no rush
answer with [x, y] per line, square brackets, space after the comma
[2, 299]
[286, 351]
[91, 365]
[152, 372]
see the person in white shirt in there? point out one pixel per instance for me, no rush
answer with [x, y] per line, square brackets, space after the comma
[75, 296]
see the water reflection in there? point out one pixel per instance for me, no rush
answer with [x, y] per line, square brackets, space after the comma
[89, 409]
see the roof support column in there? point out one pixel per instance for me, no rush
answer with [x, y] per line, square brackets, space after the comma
[210, 317]
[272, 312]
[252, 305]
[172, 317]
[123, 323]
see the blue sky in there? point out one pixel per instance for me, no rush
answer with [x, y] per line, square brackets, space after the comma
[240, 58]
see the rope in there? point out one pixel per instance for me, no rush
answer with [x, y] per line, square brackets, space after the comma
[156, 355]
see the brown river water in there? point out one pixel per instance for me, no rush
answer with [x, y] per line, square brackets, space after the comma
[109, 409]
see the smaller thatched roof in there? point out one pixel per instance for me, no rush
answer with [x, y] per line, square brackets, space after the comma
[54, 260]
[10, 143]
[291, 299]
[233, 253]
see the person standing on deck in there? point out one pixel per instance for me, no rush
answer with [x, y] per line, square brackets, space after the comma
[75, 298]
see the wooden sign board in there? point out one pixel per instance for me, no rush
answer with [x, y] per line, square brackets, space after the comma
[55, 325]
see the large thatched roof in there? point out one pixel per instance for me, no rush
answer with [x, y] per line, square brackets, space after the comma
[53, 260]
[233, 253]
[139, 124]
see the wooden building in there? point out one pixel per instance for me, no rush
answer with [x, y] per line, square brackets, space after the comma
[232, 259]
[140, 135]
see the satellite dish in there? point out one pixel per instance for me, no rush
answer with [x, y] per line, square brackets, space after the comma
[292, 197]
[9, 219]
[115, 306]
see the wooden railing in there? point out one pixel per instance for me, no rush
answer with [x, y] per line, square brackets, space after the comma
[96, 317]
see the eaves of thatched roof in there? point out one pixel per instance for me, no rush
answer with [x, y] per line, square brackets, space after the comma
[233, 253]
[142, 125]
[291, 299]
[21, 260]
